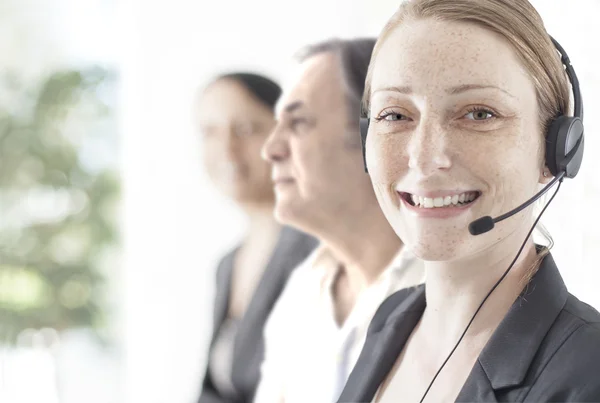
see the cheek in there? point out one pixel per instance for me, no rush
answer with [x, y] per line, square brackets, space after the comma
[519, 160]
[387, 160]
[309, 159]
[505, 164]
[300, 165]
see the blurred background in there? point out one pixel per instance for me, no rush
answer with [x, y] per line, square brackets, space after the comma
[109, 230]
[60, 195]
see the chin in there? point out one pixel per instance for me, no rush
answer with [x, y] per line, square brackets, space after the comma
[287, 212]
[281, 216]
[443, 251]
[292, 218]
[435, 243]
[300, 216]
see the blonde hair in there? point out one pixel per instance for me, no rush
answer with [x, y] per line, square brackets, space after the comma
[518, 22]
[521, 25]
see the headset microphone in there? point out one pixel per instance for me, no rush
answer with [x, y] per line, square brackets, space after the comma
[564, 153]
[485, 224]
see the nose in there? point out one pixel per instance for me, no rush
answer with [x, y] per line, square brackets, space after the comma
[428, 148]
[276, 147]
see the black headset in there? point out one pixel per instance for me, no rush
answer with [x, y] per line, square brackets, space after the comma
[564, 140]
[564, 153]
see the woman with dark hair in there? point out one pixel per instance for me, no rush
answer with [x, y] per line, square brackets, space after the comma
[234, 115]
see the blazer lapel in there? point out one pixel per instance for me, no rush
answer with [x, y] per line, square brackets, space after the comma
[223, 289]
[503, 363]
[384, 343]
[291, 249]
[477, 388]
[505, 360]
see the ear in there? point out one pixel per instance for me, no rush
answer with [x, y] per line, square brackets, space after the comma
[545, 176]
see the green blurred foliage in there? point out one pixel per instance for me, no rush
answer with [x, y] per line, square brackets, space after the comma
[57, 211]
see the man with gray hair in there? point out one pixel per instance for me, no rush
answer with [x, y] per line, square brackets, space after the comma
[317, 328]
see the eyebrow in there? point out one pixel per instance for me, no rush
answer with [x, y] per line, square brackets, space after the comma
[452, 91]
[402, 90]
[469, 87]
[294, 106]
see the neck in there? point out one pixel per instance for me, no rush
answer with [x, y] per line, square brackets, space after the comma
[456, 289]
[365, 249]
[261, 222]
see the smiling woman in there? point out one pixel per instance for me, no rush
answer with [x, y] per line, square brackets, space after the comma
[462, 135]
[469, 113]
[169, 47]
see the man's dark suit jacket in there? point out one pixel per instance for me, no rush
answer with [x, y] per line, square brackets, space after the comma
[546, 349]
[292, 248]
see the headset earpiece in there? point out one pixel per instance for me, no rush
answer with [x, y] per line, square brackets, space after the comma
[564, 146]
[564, 139]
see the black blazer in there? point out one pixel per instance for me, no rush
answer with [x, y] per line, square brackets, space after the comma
[546, 349]
[292, 248]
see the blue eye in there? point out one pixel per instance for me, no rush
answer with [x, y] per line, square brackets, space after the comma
[395, 116]
[480, 114]
[391, 117]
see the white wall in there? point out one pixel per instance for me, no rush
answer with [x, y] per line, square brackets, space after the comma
[174, 220]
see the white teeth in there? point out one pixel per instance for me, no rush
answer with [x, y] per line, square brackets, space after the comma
[429, 202]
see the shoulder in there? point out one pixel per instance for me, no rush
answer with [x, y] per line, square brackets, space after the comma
[577, 329]
[582, 327]
[581, 311]
[578, 335]
[581, 324]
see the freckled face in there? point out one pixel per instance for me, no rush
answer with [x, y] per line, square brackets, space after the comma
[454, 135]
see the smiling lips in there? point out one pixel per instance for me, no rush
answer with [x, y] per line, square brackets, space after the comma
[440, 206]
[455, 200]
